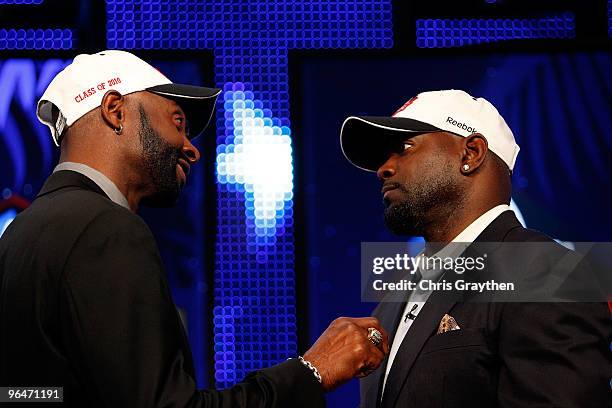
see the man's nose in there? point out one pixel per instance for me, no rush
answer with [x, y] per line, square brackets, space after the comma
[387, 170]
[191, 152]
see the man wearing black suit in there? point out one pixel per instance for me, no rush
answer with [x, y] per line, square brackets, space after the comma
[84, 301]
[445, 160]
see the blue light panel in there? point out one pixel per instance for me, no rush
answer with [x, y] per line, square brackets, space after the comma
[254, 305]
[610, 18]
[2, 2]
[28, 152]
[255, 159]
[233, 24]
[36, 39]
[254, 293]
[445, 33]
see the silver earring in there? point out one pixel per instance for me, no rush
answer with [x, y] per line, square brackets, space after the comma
[120, 130]
[466, 167]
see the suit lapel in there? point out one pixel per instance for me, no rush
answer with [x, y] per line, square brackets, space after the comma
[428, 319]
[422, 328]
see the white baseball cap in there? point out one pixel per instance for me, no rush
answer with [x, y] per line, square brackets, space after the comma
[368, 140]
[79, 88]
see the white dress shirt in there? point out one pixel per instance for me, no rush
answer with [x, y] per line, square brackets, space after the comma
[417, 298]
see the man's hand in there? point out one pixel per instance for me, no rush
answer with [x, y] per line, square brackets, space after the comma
[344, 351]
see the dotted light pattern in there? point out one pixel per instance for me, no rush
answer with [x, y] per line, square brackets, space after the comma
[445, 33]
[256, 160]
[231, 24]
[610, 18]
[36, 39]
[21, 2]
[254, 313]
[254, 305]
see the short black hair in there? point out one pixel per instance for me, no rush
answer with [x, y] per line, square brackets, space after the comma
[500, 164]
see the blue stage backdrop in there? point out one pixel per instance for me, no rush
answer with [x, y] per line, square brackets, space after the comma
[28, 154]
[446, 32]
[558, 105]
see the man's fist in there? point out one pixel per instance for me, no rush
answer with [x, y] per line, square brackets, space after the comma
[344, 351]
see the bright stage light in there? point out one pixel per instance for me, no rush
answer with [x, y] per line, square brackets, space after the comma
[257, 160]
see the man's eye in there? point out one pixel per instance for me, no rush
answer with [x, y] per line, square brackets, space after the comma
[180, 120]
[406, 146]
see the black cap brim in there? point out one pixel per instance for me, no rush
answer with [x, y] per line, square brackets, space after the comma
[197, 102]
[367, 141]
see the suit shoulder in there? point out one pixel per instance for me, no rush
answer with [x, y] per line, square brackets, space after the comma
[70, 207]
[522, 234]
[118, 221]
[76, 201]
[538, 241]
[114, 241]
[84, 208]
[63, 216]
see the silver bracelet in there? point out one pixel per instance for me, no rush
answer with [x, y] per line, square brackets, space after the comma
[312, 368]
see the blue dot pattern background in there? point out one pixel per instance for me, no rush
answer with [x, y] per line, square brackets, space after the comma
[36, 39]
[445, 33]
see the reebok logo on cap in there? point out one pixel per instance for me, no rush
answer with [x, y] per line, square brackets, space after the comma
[460, 125]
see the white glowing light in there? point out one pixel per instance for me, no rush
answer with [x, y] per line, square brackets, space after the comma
[260, 159]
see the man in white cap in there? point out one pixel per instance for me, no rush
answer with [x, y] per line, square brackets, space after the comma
[445, 160]
[84, 301]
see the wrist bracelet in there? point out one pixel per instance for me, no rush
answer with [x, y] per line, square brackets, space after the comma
[312, 368]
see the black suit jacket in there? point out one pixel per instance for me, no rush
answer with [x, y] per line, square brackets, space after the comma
[84, 304]
[505, 354]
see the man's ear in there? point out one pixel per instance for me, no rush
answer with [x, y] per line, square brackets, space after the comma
[474, 152]
[112, 109]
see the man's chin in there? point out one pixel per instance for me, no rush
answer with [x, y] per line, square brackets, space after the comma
[400, 222]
